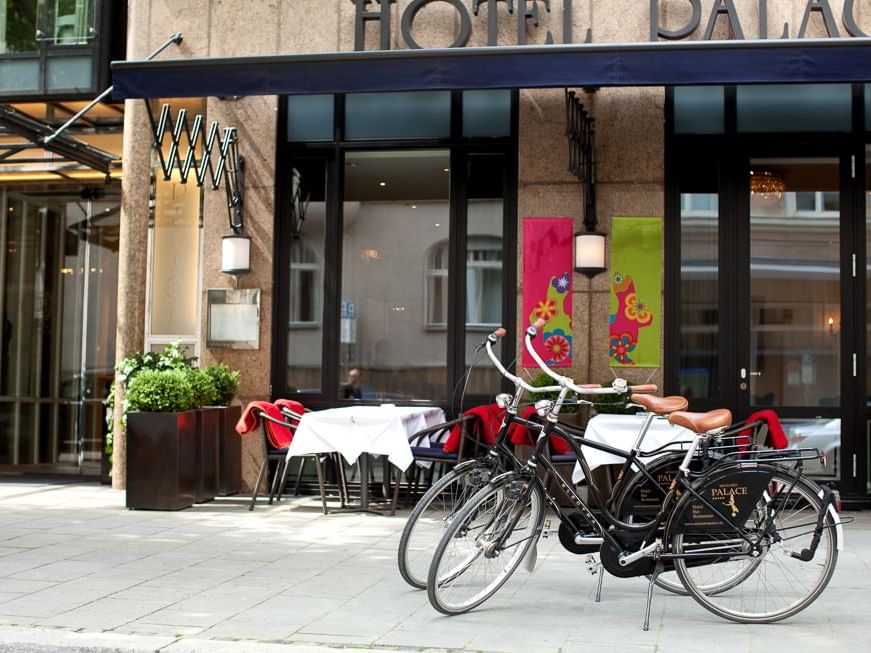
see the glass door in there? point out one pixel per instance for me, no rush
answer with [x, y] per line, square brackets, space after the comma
[789, 351]
[58, 281]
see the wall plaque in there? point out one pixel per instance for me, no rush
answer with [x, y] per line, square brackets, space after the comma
[233, 318]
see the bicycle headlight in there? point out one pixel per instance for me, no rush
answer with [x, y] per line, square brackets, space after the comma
[542, 406]
[503, 400]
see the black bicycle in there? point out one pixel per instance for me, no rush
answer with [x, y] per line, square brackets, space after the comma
[436, 509]
[749, 537]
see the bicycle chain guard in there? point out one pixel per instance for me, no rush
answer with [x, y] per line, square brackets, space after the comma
[582, 525]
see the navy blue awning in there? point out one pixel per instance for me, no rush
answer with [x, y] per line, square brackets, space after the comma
[634, 64]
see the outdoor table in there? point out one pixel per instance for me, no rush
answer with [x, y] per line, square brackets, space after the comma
[620, 432]
[356, 430]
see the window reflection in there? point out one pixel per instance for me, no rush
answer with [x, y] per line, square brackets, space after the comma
[394, 272]
[306, 183]
[795, 286]
[698, 370]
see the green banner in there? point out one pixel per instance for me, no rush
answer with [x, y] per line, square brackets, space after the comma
[636, 292]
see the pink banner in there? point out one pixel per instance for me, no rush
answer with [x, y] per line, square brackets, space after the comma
[547, 287]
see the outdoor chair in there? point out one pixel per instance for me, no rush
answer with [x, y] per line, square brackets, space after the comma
[293, 411]
[441, 446]
[277, 429]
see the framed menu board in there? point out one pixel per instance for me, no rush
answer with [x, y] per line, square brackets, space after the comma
[233, 319]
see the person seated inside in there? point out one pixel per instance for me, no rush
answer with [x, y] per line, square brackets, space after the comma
[352, 389]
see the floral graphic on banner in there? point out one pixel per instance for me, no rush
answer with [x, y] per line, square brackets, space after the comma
[636, 288]
[547, 287]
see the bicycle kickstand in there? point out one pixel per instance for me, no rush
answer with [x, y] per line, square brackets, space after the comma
[656, 572]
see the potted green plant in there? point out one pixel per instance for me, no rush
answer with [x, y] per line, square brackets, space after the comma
[226, 383]
[171, 358]
[162, 456]
[208, 432]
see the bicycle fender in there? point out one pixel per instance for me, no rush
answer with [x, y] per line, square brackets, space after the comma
[836, 518]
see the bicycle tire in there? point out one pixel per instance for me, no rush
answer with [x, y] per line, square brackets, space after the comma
[470, 564]
[783, 523]
[433, 513]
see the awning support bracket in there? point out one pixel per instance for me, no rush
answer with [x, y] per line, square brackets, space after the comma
[175, 38]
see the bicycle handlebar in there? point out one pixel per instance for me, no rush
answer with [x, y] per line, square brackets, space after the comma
[492, 339]
[618, 387]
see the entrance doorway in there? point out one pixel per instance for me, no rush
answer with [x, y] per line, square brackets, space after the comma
[769, 302]
[58, 282]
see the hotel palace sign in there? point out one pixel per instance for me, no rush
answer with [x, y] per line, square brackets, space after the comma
[526, 12]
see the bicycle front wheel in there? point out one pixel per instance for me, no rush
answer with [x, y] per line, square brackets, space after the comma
[485, 543]
[432, 514]
[792, 559]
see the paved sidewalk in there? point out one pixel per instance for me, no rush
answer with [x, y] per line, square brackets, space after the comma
[79, 572]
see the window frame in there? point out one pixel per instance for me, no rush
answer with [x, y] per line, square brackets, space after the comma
[332, 153]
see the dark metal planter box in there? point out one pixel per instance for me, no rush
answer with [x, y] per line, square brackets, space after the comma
[229, 452]
[208, 427]
[162, 460]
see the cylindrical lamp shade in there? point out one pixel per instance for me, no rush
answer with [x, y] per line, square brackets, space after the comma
[589, 253]
[235, 254]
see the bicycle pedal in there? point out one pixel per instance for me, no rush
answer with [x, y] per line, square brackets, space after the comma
[592, 565]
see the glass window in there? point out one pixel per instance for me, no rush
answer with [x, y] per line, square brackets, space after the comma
[66, 22]
[306, 187]
[68, 73]
[483, 283]
[396, 210]
[421, 114]
[486, 113]
[20, 75]
[17, 26]
[698, 367]
[305, 272]
[772, 108]
[310, 118]
[698, 109]
[436, 288]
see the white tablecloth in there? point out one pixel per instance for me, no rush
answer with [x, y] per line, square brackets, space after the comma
[352, 430]
[620, 431]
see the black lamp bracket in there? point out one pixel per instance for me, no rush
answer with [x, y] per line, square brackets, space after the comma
[581, 135]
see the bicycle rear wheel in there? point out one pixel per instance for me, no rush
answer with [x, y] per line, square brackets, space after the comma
[432, 514]
[780, 527]
[485, 543]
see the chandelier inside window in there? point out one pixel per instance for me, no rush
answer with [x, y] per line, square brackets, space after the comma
[767, 184]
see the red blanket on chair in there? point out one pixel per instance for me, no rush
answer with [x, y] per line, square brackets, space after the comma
[291, 405]
[520, 435]
[776, 438]
[279, 436]
[485, 428]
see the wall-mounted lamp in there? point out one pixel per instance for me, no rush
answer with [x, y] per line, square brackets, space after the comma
[236, 255]
[589, 253]
[831, 323]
